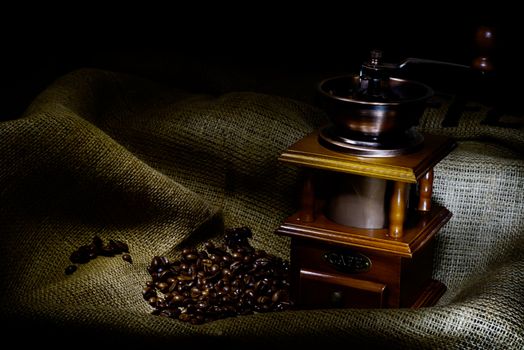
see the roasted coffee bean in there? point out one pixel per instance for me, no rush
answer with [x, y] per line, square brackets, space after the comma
[154, 276]
[127, 257]
[236, 267]
[190, 257]
[177, 299]
[184, 317]
[227, 258]
[156, 312]
[184, 278]
[248, 279]
[262, 262]
[214, 273]
[163, 287]
[153, 301]
[165, 313]
[235, 283]
[70, 269]
[154, 263]
[171, 313]
[195, 292]
[97, 241]
[263, 300]
[202, 305]
[207, 262]
[192, 270]
[226, 273]
[215, 259]
[92, 252]
[279, 295]
[121, 246]
[219, 282]
[237, 256]
[201, 283]
[164, 262]
[169, 296]
[159, 262]
[88, 252]
[77, 258]
[109, 250]
[148, 293]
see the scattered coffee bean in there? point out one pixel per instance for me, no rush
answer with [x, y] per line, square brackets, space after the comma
[97, 247]
[218, 282]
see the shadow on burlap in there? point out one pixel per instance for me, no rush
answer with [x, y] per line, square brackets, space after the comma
[100, 153]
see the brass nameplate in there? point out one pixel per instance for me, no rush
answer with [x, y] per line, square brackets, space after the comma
[348, 261]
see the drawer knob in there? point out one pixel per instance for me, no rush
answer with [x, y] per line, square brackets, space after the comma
[336, 299]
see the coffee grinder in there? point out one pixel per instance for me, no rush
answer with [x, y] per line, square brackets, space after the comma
[364, 235]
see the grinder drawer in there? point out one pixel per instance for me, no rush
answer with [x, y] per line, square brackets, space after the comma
[326, 290]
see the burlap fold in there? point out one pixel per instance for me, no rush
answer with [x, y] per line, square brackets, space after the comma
[121, 157]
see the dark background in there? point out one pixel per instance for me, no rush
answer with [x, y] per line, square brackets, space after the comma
[280, 53]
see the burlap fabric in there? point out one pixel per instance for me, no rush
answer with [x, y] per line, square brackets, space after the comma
[108, 154]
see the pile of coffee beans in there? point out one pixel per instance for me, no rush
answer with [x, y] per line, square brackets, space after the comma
[218, 282]
[96, 248]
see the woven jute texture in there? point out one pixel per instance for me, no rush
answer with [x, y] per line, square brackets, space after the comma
[101, 153]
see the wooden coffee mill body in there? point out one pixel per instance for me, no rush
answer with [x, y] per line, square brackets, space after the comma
[362, 237]
[334, 265]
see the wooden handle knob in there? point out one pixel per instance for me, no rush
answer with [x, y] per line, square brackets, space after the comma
[485, 42]
[485, 38]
